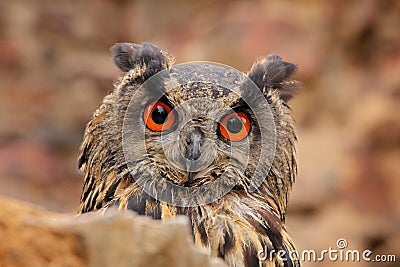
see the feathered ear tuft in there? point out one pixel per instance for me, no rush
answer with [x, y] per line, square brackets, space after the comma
[146, 57]
[270, 73]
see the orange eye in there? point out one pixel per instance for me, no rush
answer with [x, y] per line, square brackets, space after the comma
[235, 126]
[158, 116]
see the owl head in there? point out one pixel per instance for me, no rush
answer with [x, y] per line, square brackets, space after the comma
[191, 133]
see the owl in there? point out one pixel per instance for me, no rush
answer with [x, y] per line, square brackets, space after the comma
[200, 137]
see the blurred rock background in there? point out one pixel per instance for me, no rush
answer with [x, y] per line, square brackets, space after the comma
[55, 69]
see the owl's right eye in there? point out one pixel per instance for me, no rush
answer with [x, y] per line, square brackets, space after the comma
[158, 116]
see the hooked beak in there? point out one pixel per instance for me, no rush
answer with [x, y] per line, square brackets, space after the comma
[193, 154]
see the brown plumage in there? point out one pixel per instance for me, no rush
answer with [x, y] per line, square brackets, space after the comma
[234, 227]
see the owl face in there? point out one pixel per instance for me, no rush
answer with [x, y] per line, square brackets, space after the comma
[198, 124]
[193, 140]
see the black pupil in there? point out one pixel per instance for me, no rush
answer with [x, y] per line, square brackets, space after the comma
[159, 115]
[234, 125]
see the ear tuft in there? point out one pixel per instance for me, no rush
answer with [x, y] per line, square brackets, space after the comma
[148, 57]
[271, 73]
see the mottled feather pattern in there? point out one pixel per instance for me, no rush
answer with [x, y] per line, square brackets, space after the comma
[236, 226]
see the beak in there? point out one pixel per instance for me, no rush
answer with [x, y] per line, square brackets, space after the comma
[193, 154]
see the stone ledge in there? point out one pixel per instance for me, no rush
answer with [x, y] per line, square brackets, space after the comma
[31, 236]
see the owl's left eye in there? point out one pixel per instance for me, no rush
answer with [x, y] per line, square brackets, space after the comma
[158, 116]
[235, 126]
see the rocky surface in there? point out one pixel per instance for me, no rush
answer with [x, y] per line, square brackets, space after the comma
[31, 236]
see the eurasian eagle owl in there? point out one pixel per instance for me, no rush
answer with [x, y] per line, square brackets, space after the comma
[197, 139]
